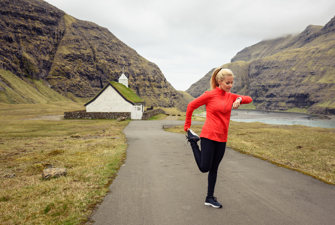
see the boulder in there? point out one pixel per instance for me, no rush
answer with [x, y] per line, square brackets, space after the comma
[122, 118]
[53, 173]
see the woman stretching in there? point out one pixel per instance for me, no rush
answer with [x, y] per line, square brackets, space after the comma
[219, 102]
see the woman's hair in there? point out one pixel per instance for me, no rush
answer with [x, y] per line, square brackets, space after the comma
[219, 74]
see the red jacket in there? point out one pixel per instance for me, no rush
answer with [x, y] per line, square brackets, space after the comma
[218, 108]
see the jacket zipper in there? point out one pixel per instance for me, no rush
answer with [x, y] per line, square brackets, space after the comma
[223, 102]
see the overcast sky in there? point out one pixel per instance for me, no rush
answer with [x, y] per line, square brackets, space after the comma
[187, 38]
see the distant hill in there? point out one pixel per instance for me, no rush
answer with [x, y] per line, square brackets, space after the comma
[186, 96]
[270, 47]
[202, 85]
[292, 73]
[76, 58]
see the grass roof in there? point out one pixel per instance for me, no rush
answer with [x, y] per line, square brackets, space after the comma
[127, 93]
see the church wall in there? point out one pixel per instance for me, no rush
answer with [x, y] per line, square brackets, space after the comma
[109, 101]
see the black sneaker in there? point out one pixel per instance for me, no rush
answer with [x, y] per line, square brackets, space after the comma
[192, 136]
[211, 201]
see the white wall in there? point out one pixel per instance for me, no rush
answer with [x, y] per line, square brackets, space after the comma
[137, 112]
[111, 101]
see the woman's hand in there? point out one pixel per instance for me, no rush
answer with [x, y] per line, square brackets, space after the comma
[237, 103]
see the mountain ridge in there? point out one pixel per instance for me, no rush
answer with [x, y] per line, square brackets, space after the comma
[75, 58]
[293, 73]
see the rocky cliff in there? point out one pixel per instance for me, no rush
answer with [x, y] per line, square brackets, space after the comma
[75, 58]
[292, 73]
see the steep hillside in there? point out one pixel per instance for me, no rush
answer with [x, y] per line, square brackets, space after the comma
[186, 96]
[239, 69]
[270, 47]
[202, 85]
[295, 73]
[76, 58]
[15, 90]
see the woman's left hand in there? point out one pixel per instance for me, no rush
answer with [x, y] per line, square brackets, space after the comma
[236, 104]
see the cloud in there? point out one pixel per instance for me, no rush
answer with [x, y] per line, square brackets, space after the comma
[188, 38]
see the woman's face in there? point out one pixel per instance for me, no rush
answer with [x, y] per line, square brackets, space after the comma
[226, 84]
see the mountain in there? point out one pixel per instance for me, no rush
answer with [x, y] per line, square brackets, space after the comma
[291, 73]
[15, 90]
[75, 58]
[202, 85]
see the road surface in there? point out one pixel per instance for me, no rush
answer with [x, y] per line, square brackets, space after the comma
[161, 184]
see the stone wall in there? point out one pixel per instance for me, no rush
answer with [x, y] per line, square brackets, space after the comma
[150, 113]
[82, 114]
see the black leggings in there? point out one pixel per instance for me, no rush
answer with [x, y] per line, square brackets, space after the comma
[208, 159]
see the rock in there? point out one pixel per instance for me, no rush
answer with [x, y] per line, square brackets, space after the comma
[9, 175]
[53, 173]
[75, 136]
[48, 165]
[122, 118]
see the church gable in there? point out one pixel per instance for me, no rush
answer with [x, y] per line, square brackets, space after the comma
[123, 91]
[117, 97]
[109, 100]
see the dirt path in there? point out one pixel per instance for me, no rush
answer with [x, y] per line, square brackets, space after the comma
[160, 184]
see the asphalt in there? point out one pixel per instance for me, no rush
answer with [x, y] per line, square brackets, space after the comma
[161, 184]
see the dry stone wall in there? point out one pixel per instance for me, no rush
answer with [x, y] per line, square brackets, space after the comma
[150, 113]
[82, 114]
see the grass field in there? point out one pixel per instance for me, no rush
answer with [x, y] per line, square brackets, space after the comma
[308, 150]
[32, 137]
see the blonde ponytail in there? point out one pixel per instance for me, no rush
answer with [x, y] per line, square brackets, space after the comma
[219, 74]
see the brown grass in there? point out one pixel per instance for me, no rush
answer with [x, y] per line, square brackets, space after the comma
[91, 150]
[308, 150]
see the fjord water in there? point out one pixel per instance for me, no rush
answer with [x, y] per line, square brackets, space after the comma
[283, 118]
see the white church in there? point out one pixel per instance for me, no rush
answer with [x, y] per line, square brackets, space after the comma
[117, 97]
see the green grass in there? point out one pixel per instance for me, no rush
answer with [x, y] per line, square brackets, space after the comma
[158, 117]
[127, 92]
[329, 103]
[69, 20]
[186, 96]
[248, 106]
[308, 150]
[297, 110]
[26, 91]
[91, 150]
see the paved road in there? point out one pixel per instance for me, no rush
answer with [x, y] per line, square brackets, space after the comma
[160, 184]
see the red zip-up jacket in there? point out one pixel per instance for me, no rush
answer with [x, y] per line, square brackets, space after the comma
[218, 108]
